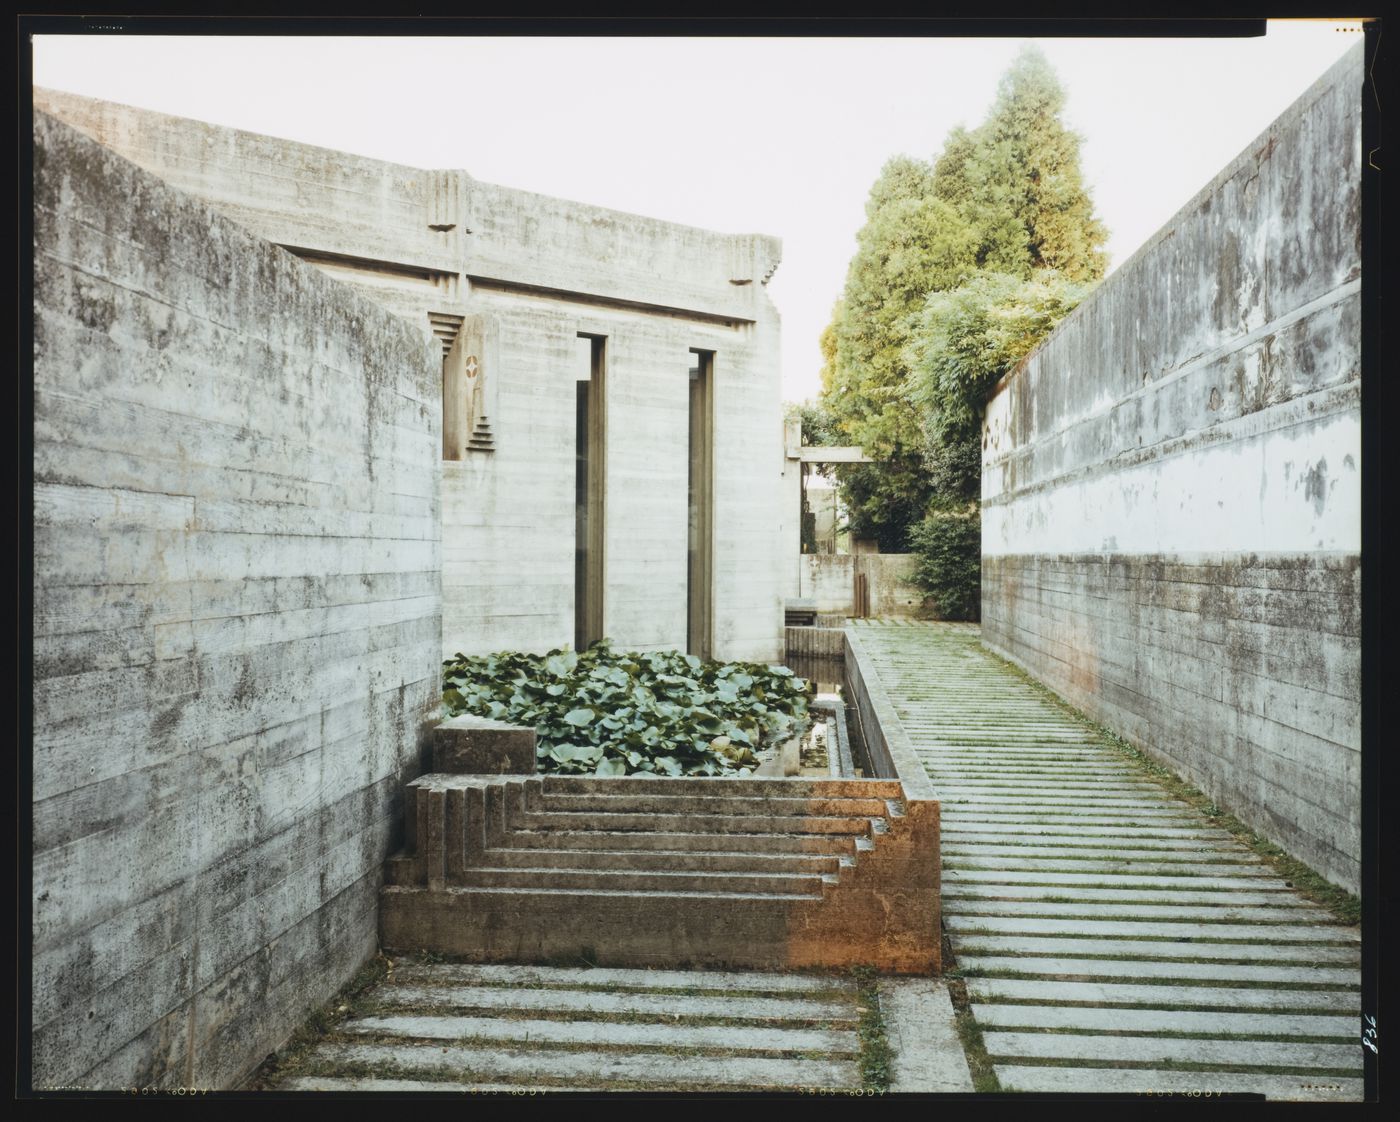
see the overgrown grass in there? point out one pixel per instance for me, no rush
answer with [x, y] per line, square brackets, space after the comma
[876, 1055]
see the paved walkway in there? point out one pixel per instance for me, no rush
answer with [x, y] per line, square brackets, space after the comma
[1110, 938]
[445, 1028]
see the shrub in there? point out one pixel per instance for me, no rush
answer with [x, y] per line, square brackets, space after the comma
[948, 544]
[609, 712]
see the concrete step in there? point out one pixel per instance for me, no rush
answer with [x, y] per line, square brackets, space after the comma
[825, 987]
[793, 788]
[672, 860]
[658, 840]
[567, 821]
[720, 805]
[631, 880]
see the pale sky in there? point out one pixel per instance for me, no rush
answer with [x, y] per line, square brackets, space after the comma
[777, 136]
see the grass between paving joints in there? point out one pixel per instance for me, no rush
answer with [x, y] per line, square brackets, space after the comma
[359, 999]
[876, 1056]
[979, 1061]
[292, 1057]
[1341, 903]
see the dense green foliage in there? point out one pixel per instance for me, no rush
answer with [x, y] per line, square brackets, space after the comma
[968, 338]
[609, 712]
[963, 266]
[948, 546]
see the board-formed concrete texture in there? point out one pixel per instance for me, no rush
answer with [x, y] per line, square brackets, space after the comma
[1171, 492]
[237, 625]
[529, 273]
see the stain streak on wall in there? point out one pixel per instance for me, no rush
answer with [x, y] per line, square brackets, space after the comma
[1171, 494]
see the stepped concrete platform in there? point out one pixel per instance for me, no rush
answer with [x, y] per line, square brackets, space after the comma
[465, 1028]
[1111, 939]
[762, 873]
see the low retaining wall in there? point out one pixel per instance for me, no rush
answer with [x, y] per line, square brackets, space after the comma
[829, 580]
[814, 642]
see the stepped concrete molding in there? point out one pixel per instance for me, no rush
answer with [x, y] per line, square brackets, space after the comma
[757, 873]
[1107, 934]
[469, 745]
[1171, 489]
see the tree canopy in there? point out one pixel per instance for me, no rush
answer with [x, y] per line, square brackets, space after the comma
[964, 263]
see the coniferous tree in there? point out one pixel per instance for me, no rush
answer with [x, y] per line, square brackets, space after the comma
[998, 230]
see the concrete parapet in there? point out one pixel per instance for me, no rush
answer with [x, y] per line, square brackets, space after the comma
[470, 745]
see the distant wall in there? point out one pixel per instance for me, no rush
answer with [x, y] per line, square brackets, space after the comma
[236, 625]
[438, 246]
[829, 580]
[1171, 491]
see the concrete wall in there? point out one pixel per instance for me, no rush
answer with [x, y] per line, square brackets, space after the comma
[440, 245]
[829, 580]
[237, 623]
[1171, 491]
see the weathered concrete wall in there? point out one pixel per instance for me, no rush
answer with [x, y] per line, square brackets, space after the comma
[236, 625]
[440, 245]
[829, 580]
[1171, 492]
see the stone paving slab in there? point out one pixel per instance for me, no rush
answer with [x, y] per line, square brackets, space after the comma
[1276, 934]
[667, 1005]
[1097, 1047]
[553, 1029]
[585, 1068]
[1057, 993]
[404, 1086]
[1108, 956]
[1029, 893]
[919, 1024]
[1339, 1027]
[1183, 1086]
[1144, 911]
[1150, 874]
[1160, 948]
[732, 1037]
[1140, 968]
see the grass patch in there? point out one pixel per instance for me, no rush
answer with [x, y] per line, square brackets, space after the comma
[292, 1058]
[876, 1055]
[1308, 883]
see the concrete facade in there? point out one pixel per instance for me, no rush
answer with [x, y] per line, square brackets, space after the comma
[237, 621]
[1171, 489]
[518, 277]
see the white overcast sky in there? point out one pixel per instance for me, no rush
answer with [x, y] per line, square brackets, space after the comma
[778, 136]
